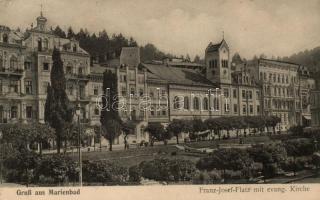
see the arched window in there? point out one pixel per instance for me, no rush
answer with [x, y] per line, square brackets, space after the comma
[5, 38]
[176, 102]
[39, 44]
[205, 104]
[45, 44]
[196, 103]
[186, 103]
[13, 62]
[216, 103]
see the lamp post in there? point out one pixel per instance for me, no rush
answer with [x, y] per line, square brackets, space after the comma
[79, 144]
[1, 158]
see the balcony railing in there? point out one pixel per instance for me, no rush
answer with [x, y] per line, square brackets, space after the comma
[11, 71]
[77, 76]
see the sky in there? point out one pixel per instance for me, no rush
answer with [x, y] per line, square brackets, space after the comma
[250, 27]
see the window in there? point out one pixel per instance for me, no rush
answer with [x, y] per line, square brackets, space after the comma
[5, 38]
[0, 86]
[13, 62]
[205, 104]
[45, 44]
[74, 48]
[151, 94]
[244, 109]
[29, 112]
[96, 111]
[14, 112]
[235, 108]
[196, 103]
[258, 94]
[46, 66]
[234, 93]
[244, 94]
[123, 91]
[258, 109]
[163, 93]
[27, 65]
[250, 94]
[164, 112]
[28, 87]
[216, 103]
[96, 90]
[186, 103]
[14, 85]
[39, 44]
[226, 92]
[80, 71]
[226, 107]
[70, 89]
[141, 92]
[1, 61]
[132, 91]
[176, 102]
[69, 70]
[251, 109]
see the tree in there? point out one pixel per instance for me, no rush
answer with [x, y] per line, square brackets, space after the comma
[299, 147]
[236, 58]
[196, 59]
[156, 132]
[110, 119]
[271, 156]
[188, 59]
[58, 109]
[127, 129]
[226, 159]
[70, 33]
[176, 127]
[59, 32]
[272, 121]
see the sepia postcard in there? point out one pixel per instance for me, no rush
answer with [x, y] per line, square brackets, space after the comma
[160, 99]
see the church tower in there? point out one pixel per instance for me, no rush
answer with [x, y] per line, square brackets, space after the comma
[217, 59]
[41, 22]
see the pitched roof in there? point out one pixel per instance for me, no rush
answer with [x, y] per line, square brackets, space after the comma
[130, 56]
[214, 47]
[97, 69]
[176, 75]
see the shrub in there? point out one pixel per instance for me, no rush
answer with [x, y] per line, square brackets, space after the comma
[104, 172]
[167, 170]
[135, 174]
[57, 167]
[204, 177]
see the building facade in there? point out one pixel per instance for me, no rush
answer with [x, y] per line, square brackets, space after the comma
[315, 104]
[149, 92]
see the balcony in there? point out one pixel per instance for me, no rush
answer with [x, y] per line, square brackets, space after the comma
[11, 71]
[73, 76]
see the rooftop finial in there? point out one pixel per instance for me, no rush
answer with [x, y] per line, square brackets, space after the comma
[41, 11]
[222, 35]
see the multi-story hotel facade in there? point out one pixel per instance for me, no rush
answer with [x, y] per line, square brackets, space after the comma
[175, 89]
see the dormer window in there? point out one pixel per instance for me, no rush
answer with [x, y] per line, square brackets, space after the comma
[5, 38]
[74, 48]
